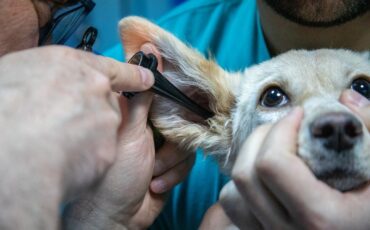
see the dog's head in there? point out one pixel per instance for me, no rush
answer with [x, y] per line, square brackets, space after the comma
[332, 141]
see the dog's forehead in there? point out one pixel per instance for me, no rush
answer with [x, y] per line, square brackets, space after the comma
[321, 71]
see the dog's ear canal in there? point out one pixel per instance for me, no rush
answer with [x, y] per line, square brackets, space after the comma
[200, 79]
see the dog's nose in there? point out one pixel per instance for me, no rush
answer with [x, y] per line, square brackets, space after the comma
[338, 131]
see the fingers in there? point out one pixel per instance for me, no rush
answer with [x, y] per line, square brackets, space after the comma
[262, 204]
[122, 76]
[239, 214]
[175, 175]
[284, 174]
[358, 103]
[171, 167]
[135, 112]
[167, 157]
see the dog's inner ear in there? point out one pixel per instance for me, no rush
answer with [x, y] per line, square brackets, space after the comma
[200, 94]
[200, 79]
[206, 84]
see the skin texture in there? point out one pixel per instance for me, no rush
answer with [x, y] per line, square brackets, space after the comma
[107, 207]
[264, 211]
[282, 34]
[64, 110]
[278, 170]
[20, 25]
[320, 14]
[276, 187]
[64, 184]
[64, 131]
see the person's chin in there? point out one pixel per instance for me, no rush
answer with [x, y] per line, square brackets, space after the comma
[324, 13]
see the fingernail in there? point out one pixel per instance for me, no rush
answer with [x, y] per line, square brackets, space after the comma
[146, 77]
[159, 186]
[357, 99]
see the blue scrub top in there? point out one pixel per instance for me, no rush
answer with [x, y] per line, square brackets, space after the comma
[230, 30]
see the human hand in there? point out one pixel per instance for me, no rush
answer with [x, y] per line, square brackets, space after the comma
[122, 199]
[59, 120]
[129, 196]
[275, 189]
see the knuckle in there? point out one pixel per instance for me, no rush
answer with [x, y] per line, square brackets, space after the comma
[228, 194]
[241, 177]
[97, 82]
[102, 82]
[62, 52]
[135, 73]
[264, 164]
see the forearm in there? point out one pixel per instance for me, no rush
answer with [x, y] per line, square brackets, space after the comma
[29, 197]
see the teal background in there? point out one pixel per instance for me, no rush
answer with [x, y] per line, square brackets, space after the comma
[107, 13]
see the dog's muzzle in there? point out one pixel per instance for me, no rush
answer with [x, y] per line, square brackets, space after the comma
[335, 150]
[337, 131]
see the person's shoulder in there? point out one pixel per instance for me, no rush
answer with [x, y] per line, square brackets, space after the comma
[194, 6]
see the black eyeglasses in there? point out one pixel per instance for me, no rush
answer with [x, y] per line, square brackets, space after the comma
[65, 20]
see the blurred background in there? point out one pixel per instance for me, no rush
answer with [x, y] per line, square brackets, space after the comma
[107, 13]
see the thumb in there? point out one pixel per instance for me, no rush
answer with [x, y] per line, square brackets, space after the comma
[135, 112]
[358, 104]
[138, 109]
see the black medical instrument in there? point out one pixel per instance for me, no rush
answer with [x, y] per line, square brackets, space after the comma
[88, 39]
[164, 87]
[161, 86]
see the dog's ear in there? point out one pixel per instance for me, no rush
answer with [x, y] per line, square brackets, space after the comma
[200, 79]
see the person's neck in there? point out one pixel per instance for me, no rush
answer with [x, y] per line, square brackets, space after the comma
[282, 35]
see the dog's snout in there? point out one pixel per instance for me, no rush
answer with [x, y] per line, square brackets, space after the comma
[337, 131]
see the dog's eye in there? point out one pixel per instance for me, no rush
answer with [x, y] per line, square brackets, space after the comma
[361, 86]
[274, 97]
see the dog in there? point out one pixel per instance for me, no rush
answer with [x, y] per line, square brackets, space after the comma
[333, 141]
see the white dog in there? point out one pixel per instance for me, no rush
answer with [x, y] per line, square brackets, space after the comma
[333, 141]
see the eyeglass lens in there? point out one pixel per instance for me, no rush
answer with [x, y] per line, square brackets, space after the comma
[65, 21]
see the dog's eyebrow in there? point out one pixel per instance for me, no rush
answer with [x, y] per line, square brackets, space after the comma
[275, 80]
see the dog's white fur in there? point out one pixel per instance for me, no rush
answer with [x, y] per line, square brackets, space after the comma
[312, 79]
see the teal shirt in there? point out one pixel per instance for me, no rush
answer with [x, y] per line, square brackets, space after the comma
[230, 30]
